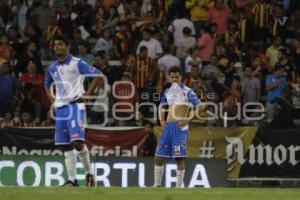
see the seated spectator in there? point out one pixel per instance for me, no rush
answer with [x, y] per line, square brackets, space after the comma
[151, 141]
[26, 120]
[7, 120]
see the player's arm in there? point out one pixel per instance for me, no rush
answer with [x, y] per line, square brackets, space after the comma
[161, 110]
[47, 85]
[90, 71]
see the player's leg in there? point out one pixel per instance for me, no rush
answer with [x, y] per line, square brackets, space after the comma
[62, 139]
[158, 170]
[163, 150]
[180, 172]
[77, 134]
[179, 140]
[84, 157]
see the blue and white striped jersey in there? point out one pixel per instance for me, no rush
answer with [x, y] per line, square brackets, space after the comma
[68, 77]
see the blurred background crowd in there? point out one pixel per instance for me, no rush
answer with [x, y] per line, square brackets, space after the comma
[231, 52]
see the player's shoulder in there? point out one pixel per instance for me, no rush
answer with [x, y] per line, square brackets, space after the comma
[186, 89]
[52, 66]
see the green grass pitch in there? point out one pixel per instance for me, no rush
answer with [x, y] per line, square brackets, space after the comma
[116, 193]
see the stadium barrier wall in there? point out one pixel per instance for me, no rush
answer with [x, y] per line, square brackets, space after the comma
[250, 152]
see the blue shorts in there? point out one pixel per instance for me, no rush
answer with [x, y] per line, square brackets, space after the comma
[69, 123]
[173, 141]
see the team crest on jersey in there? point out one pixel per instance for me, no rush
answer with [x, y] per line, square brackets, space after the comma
[92, 69]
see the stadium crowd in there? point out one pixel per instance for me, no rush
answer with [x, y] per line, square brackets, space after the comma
[231, 52]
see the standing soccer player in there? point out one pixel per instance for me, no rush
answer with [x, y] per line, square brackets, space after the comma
[179, 99]
[70, 115]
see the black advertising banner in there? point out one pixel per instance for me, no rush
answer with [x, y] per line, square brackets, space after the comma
[273, 153]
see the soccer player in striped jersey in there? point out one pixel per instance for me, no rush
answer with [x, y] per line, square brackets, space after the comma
[179, 99]
[67, 73]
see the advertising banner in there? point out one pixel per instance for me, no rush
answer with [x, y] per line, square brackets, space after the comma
[250, 152]
[124, 172]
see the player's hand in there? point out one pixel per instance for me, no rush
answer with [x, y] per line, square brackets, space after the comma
[183, 123]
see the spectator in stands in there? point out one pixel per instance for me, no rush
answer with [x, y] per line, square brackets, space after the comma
[193, 60]
[177, 26]
[105, 43]
[151, 141]
[83, 10]
[199, 12]
[167, 61]
[142, 68]
[276, 84]
[7, 120]
[125, 97]
[65, 22]
[42, 14]
[20, 13]
[185, 44]
[84, 53]
[26, 120]
[30, 55]
[101, 62]
[122, 41]
[205, 45]
[287, 65]
[153, 45]
[102, 105]
[250, 87]
[6, 49]
[220, 15]
[8, 88]
[273, 51]
[261, 16]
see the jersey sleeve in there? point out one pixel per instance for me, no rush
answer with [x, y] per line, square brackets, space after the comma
[48, 79]
[85, 68]
[163, 99]
[193, 98]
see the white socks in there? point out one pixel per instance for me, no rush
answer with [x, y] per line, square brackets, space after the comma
[180, 176]
[158, 172]
[70, 161]
[84, 157]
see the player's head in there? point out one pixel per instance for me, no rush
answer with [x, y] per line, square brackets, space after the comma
[61, 45]
[175, 74]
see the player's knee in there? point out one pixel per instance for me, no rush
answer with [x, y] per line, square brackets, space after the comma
[78, 145]
[65, 147]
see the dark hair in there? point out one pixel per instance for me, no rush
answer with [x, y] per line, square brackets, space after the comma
[175, 69]
[143, 49]
[187, 31]
[63, 38]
